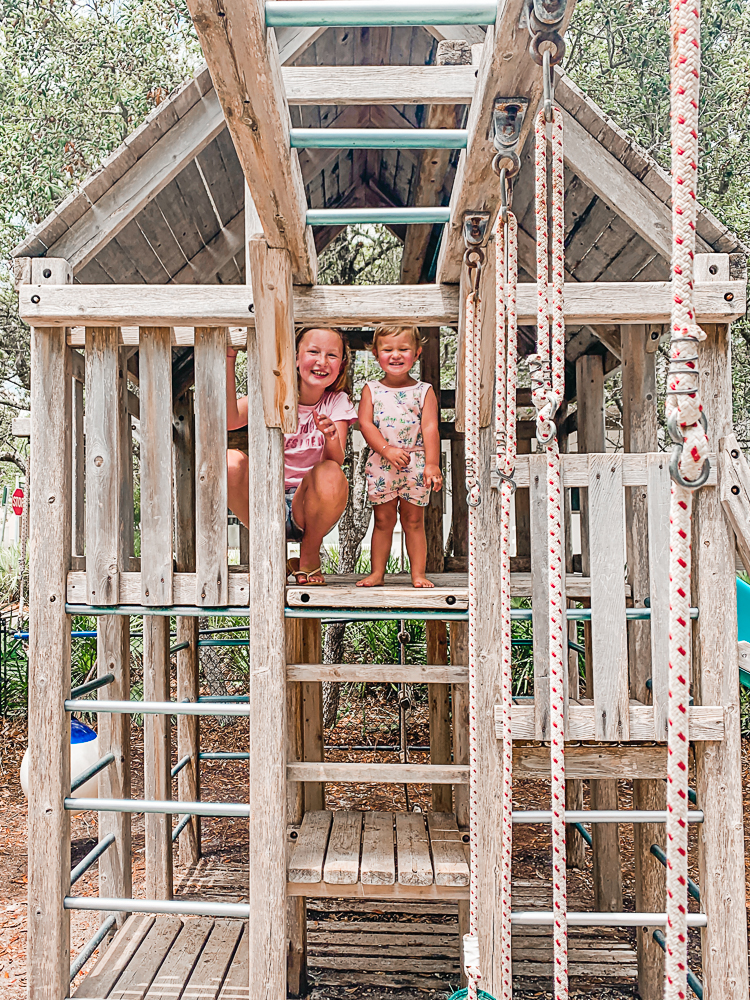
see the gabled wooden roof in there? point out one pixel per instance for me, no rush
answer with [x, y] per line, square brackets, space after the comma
[168, 205]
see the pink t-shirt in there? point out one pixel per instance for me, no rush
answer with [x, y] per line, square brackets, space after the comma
[304, 448]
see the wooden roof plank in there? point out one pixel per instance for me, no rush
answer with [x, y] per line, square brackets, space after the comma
[397, 85]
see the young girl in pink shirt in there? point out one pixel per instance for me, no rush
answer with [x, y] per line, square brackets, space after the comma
[314, 484]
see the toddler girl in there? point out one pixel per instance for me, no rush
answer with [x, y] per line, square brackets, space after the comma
[398, 417]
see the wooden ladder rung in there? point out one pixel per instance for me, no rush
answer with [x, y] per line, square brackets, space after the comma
[379, 673]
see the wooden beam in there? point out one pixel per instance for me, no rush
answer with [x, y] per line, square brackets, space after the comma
[245, 67]
[433, 164]
[735, 494]
[361, 305]
[203, 267]
[397, 85]
[505, 70]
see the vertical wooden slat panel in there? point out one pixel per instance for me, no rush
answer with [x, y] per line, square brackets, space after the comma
[155, 374]
[212, 581]
[312, 710]
[103, 466]
[127, 512]
[157, 783]
[296, 959]
[48, 951]
[188, 660]
[659, 489]
[540, 592]
[459, 641]
[608, 634]
[79, 472]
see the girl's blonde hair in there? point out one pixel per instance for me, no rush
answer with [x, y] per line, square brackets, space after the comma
[390, 331]
[342, 382]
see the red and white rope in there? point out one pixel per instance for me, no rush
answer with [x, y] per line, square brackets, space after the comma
[471, 365]
[684, 412]
[548, 382]
[506, 347]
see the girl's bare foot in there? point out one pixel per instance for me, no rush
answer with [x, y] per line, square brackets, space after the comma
[373, 580]
[421, 581]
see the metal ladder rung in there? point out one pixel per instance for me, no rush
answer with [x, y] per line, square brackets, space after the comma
[377, 13]
[378, 138]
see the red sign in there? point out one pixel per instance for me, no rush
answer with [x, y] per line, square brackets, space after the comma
[17, 501]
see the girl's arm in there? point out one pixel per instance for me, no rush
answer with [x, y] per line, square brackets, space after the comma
[236, 408]
[396, 456]
[431, 438]
[335, 434]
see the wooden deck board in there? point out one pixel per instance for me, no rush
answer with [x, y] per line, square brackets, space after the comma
[143, 967]
[180, 959]
[211, 968]
[310, 850]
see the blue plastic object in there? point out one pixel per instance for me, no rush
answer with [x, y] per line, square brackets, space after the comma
[743, 623]
[463, 994]
[80, 732]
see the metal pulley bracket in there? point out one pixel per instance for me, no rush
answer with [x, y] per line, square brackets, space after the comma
[476, 225]
[546, 13]
[507, 119]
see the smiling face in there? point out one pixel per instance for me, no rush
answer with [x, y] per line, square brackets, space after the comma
[320, 355]
[396, 354]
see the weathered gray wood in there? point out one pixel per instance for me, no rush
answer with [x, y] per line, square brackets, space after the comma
[306, 864]
[659, 489]
[188, 661]
[183, 307]
[447, 848]
[235, 983]
[607, 555]
[378, 856]
[274, 322]
[412, 850]
[48, 954]
[575, 469]
[540, 592]
[78, 532]
[342, 858]
[296, 915]
[105, 973]
[157, 758]
[140, 972]
[267, 683]
[210, 467]
[155, 375]
[735, 495]
[706, 722]
[103, 466]
[127, 505]
[378, 673]
[344, 85]
[716, 681]
[180, 959]
[211, 968]
[459, 640]
[398, 773]
[246, 72]
[313, 741]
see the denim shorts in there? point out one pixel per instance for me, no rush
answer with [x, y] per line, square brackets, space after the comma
[293, 531]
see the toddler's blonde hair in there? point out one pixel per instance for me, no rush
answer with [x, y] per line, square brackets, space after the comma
[390, 331]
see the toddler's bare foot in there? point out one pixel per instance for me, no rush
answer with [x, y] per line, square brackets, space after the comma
[373, 580]
[421, 581]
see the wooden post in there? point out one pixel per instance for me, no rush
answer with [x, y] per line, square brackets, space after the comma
[459, 641]
[113, 657]
[157, 757]
[188, 660]
[79, 471]
[312, 711]
[296, 910]
[603, 793]
[640, 426]
[48, 954]
[716, 682]
[267, 577]
[437, 633]
[459, 508]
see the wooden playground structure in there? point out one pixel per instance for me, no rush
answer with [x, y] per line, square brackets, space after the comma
[230, 190]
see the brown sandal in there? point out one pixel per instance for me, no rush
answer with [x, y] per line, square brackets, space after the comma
[306, 574]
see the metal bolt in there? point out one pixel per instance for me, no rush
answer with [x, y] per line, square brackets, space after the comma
[47, 273]
[35, 299]
[729, 297]
[735, 491]
[713, 269]
[734, 453]
[98, 461]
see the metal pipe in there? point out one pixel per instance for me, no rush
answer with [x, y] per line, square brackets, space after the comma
[695, 984]
[584, 833]
[223, 642]
[232, 698]
[386, 216]
[180, 764]
[180, 827]
[166, 807]
[378, 138]
[84, 776]
[158, 707]
[386, 614]
[661, 856]
[224, 755]
[87, 862]
[602, 816]
[374, 13]
[90, 947]
[182, 907]
[179, 646]
[98, 682]
[538, 918]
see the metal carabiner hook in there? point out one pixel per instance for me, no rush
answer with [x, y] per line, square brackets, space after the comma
[508, 479]
[549, 85]
[676, 475]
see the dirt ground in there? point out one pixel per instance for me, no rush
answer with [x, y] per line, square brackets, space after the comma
[227, 839]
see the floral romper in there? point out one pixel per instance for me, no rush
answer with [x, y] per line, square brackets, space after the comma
[397, 413]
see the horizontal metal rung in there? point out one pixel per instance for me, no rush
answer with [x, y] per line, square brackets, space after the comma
[374, 13]
[536, 918]
[168, 807]
[378, 138]
[602, 816]
[84, 865]
[158, 707]
[99, 682]
[90, 772]
[384, 216]
[180, 764]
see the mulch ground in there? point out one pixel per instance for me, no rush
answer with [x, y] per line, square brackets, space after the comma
[368, 723]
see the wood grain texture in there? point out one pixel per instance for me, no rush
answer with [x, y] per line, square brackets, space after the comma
[459, 644]
[157, 757]
[137, 977]
[78, 531]
[105, 973]
[378, 855]
[48, 949]
[312, 710]
[735, 493]
[540, 592]
[706, 722]
[212, 583]
[447, 849]
[246, 70]
[103, 466]
[575, 470]
[185, 306]
[716, 681]
[271, 280]
[155, 376]
[379, 673]
[412, 850]
[342, 857]
[344, 85]
[659, 490]
[306, 864]
[267, 684]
